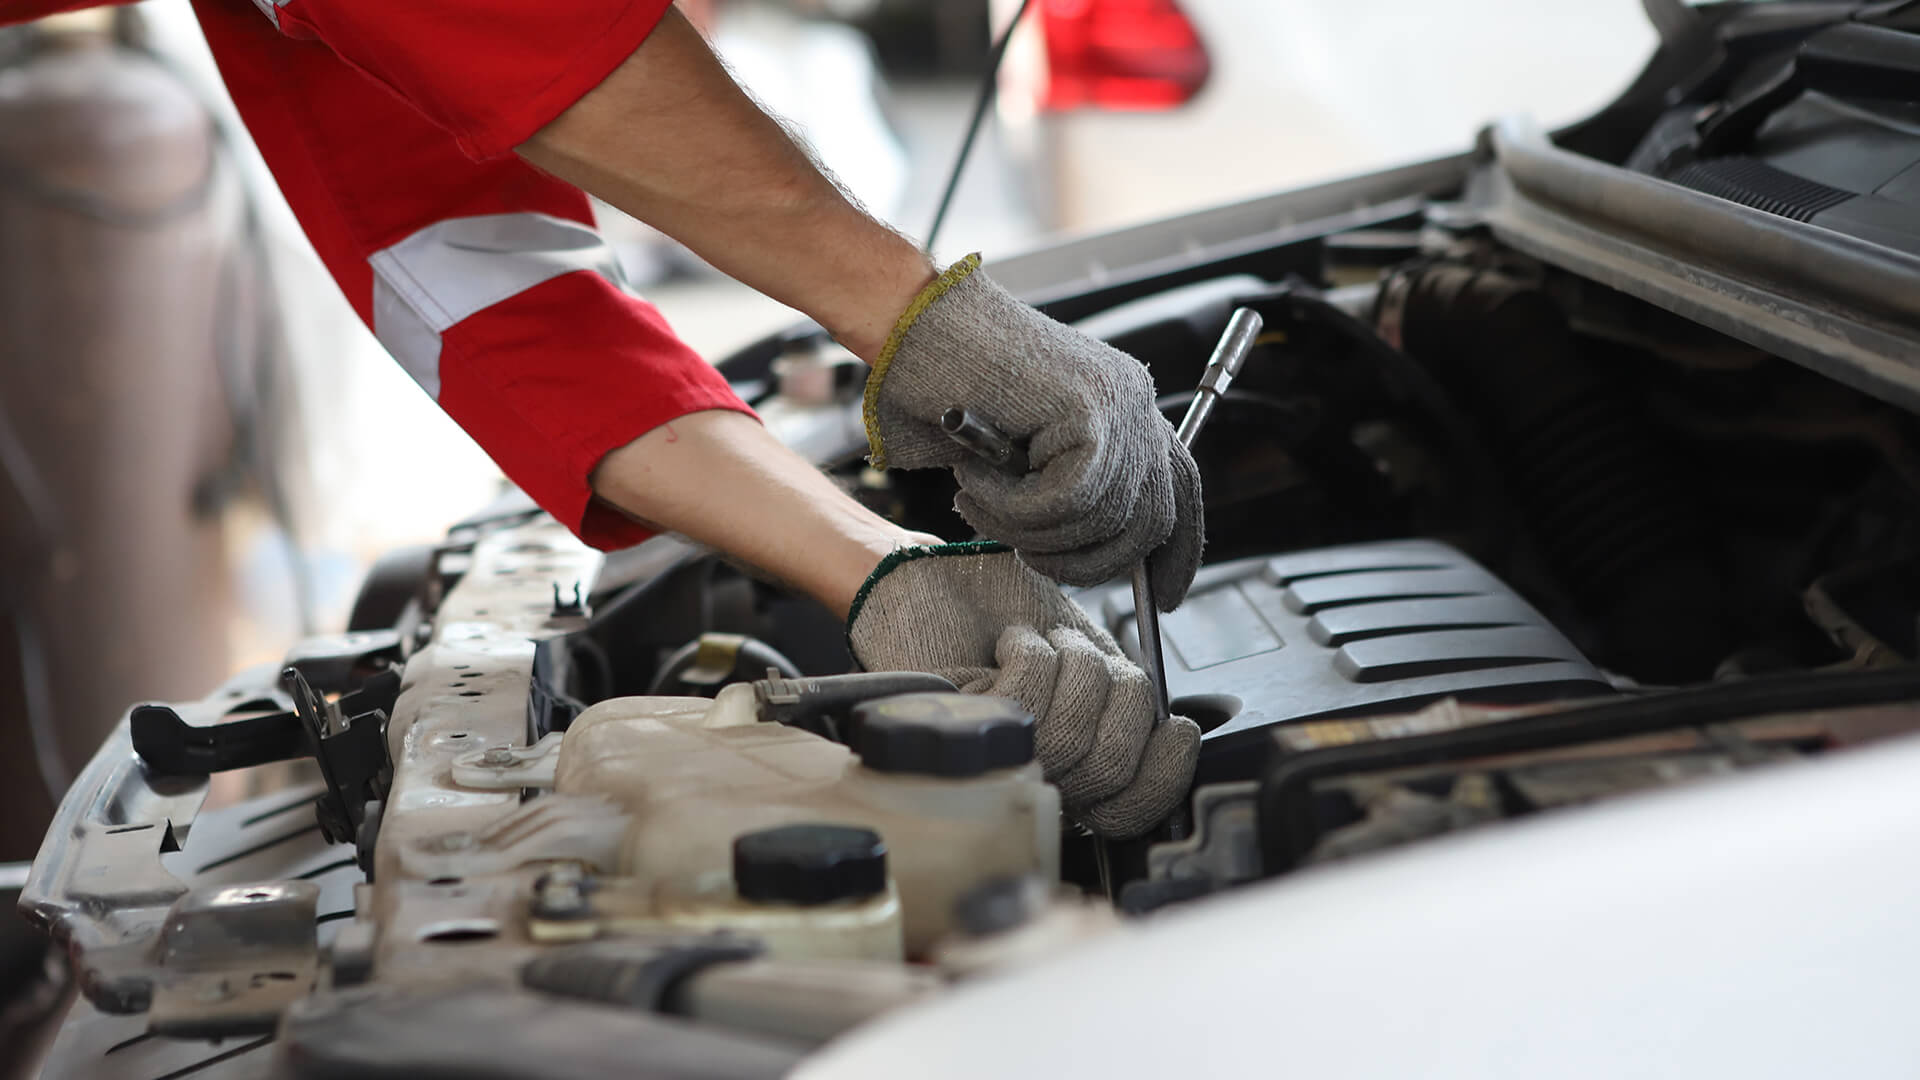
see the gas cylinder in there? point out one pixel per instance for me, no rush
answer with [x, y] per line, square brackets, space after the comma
[123, 301]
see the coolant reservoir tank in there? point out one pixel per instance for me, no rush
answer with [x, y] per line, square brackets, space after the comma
[949, 786]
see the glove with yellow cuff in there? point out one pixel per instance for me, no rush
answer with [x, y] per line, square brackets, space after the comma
[1110, 484]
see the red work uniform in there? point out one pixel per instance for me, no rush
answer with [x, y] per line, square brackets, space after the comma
[390, 128]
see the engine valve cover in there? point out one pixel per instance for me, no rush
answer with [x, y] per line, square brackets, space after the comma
[1348, 630]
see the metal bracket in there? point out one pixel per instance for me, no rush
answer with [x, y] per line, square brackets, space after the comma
[233, 957]
[349, 741]
[331, 661]
[509, 768]
[347, 738]
[98, 885]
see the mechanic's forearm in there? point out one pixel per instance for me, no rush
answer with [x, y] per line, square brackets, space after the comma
[721, 479]
[671, 139]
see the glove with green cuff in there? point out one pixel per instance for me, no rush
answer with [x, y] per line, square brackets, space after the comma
[1110, 483]
[974, 614]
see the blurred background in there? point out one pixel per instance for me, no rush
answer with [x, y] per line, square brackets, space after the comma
[202, 450]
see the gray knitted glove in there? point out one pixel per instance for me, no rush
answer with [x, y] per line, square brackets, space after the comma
[1110, 482]
[973, 613]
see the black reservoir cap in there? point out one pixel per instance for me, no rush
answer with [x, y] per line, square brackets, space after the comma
[809, 864]
[943, 734]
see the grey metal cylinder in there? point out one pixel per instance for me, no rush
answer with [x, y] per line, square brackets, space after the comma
[118, 296]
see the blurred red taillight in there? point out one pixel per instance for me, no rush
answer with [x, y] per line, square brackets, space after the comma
[1120, 54]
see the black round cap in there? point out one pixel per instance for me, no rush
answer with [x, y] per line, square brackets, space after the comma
[809, 864]
[942, 734]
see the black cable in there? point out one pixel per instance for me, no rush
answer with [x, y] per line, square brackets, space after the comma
[989, 85]
[224, 1055]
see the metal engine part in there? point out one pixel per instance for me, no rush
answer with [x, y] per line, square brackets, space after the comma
[483, 850]
[594, 881]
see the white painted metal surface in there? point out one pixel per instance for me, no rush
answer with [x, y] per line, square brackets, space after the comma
[1756, 927]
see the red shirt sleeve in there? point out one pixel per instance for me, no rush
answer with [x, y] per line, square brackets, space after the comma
[19, 11]
[483, 278]
[490, 72]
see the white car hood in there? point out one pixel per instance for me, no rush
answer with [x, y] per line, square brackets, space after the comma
[1759, 926]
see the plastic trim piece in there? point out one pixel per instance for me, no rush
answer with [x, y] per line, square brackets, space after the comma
[1350, 630]
[1842, 306]
[1287, 829]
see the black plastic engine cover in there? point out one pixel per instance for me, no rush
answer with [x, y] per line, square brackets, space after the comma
[1352, 630]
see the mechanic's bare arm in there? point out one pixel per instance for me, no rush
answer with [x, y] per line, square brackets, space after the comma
[721, 479]
[669, 138]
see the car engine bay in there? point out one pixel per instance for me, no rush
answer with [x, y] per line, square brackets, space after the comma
[1487, 538]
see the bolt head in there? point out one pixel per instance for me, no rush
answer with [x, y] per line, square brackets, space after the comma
[561, 893]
